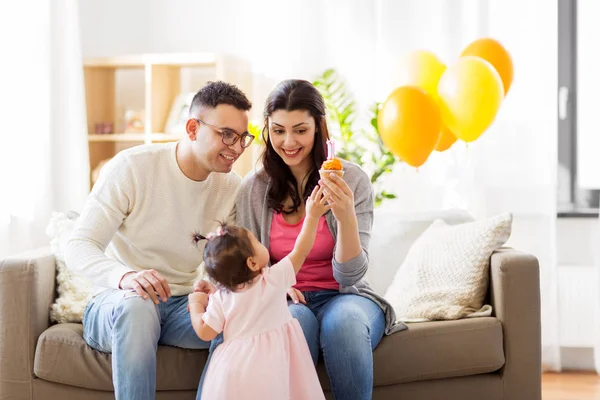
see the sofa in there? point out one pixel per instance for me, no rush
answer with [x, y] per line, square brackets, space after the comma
[492, 358]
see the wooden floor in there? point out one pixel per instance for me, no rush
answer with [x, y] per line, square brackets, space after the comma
[571, 386]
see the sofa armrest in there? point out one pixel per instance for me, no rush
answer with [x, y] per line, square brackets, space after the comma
[26, 294]
[515, 298]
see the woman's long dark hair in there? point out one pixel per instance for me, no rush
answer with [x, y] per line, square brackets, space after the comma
[290, 95]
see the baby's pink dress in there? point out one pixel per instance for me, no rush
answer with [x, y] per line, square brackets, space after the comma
[264, 354]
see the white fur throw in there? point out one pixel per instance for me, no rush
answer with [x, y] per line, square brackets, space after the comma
[74, 291]
[445, 275]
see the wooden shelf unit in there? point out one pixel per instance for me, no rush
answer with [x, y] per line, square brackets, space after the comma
[162, 78]
[132, 137]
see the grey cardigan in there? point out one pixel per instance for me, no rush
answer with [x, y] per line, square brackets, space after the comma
[253, 213]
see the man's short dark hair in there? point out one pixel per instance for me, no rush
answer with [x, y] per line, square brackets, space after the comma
[214, 93]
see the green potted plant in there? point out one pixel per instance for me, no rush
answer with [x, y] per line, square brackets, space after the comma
[361, 146]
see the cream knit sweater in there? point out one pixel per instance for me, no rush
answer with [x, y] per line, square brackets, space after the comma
[142, 213]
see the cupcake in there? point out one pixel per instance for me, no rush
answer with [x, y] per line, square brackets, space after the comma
[332, 164]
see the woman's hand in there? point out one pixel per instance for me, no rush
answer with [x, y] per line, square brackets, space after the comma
[339, 196]
[316, 204]
[296, 296]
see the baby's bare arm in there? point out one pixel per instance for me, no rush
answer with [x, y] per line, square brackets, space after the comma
[203, 331]
[316, 206]
[197, 303]
[304, 242]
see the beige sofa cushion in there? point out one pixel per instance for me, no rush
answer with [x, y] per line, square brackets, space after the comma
[440, 349]
[427, 350]
[62, 356]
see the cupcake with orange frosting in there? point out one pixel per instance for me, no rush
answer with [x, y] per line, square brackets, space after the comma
[332, 164]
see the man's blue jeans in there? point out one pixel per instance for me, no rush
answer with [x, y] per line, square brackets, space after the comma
[131, 328]
[344, 328]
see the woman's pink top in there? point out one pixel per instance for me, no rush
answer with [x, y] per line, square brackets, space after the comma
[316, 272]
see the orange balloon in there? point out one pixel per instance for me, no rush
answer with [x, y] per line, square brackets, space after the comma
[409, 124]
[493, 52]
[424, 69]
[446, 140]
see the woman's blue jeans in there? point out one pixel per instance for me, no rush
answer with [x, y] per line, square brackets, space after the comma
[344, 328]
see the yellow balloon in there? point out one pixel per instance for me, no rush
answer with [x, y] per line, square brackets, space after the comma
[471, 92]
[422, 69]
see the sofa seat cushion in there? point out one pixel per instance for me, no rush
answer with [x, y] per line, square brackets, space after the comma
[428, 350]
[439, 349]
[62, 356]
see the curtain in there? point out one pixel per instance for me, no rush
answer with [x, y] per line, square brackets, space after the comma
[513, 165]
[43, 146]
[519, 159]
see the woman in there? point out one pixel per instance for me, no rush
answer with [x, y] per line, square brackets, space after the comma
[339, 314]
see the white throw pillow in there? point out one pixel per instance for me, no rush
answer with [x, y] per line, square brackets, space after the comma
[74, 291]
[445, 275]
[394, 232]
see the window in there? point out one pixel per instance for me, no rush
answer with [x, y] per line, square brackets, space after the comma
[578, 108]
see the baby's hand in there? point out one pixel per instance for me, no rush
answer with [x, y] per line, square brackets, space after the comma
[198, 298]
[204, 286]
[316, 204]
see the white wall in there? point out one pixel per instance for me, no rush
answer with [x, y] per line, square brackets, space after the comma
[282, 38]
[578, 290]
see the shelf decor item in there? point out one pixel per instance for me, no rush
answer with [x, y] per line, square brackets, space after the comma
[134, 121]
[102, 128]
[179, 114]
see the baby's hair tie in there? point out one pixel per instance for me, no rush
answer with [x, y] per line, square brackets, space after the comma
[197, 237]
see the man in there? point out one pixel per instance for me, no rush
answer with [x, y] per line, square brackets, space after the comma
[135, 237]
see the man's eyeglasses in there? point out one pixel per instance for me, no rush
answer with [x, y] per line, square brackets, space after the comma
[229, 136]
